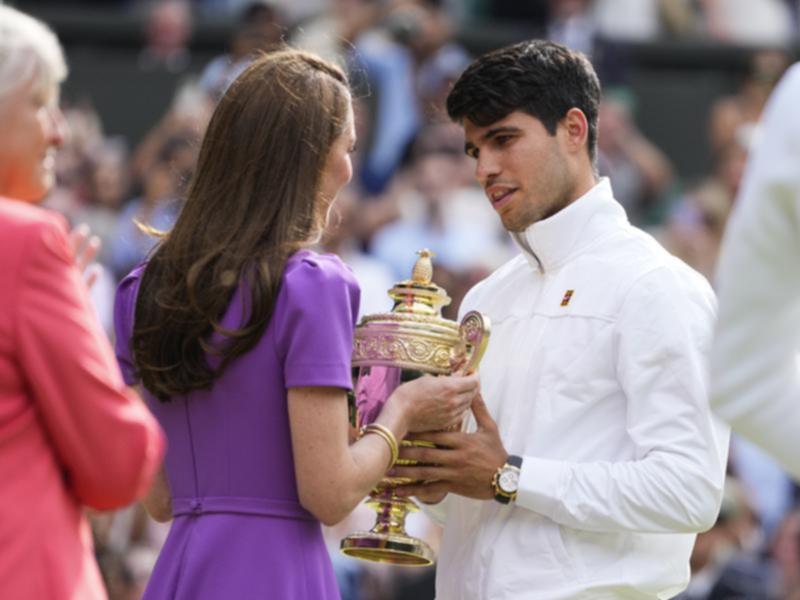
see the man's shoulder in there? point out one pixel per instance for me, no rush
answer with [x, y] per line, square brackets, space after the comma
[635, 254]
[628, 267]
[645, 268]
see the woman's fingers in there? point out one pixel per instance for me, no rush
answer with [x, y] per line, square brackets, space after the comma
[85, 246]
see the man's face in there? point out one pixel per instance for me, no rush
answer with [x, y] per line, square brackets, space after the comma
[33, 127]
[521, 167]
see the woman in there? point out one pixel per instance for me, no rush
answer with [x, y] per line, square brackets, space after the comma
[70, 433]
[242, 338]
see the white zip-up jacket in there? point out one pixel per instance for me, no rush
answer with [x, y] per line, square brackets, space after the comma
[596, 375]
[755, 374]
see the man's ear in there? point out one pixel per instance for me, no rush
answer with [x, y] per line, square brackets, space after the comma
[576, 130]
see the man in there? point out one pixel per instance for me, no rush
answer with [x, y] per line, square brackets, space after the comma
[755, 377]
[595, 458]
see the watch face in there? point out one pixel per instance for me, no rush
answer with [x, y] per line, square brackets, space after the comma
[508, 481]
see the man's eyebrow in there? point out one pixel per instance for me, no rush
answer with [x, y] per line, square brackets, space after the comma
[498, 130]
[469, 146]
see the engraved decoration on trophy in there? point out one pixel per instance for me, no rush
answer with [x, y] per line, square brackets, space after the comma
[389, 349]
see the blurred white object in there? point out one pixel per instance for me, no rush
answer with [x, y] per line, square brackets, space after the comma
[755, 377]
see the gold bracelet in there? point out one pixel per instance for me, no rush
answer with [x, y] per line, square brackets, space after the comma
[388, 436]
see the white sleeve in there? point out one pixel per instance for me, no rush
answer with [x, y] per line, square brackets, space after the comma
[756, 386]
[437, 512]
[673, 481]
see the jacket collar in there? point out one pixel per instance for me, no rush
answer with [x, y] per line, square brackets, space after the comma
[548, 244]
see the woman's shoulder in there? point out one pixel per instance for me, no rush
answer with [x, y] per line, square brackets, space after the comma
[130, 283]
[306, 267]
[22, 219]
[125, 299]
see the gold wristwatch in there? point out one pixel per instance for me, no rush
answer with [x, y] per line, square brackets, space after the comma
[506, 480]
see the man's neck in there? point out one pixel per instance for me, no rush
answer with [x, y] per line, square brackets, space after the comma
[583, 183]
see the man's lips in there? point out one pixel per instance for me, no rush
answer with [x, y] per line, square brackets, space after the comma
[500, 197]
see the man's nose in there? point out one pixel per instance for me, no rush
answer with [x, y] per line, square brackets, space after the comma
[486, 167]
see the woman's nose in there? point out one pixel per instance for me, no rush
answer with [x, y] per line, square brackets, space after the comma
[59, 130]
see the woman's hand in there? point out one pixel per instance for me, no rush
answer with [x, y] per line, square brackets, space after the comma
[435, 403]
[85, 247]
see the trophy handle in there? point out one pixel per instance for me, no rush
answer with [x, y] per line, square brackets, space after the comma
[474, 331]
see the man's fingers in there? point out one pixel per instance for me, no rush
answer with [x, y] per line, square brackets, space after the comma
[419, 473]
[482, 417]
[466, 383]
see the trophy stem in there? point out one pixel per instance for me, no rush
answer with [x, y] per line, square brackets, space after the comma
[387, 541]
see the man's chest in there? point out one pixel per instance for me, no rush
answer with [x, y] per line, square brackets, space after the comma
[549, 372]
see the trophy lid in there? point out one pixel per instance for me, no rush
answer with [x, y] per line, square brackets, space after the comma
[414, 334]
[419, 295]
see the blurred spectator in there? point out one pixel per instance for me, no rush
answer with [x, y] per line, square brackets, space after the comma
[72, 162]
[768, 486]
[640, 173]
[107, 190]
[725, 561]
[785, 551]
[343, 237]
[441, 209]
[168, 28]
[730, 113]
[107, 187]
[643, 20]
[332, 32]
[260, 27]
[127, 543]
[157, 208]
[749, 22]
[571, 23]
[694, 228]
[412, 52]
[186, 119]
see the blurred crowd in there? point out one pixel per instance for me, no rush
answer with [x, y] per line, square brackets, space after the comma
[414, 188]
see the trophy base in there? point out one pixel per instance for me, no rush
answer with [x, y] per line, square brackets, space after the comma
[389, 548]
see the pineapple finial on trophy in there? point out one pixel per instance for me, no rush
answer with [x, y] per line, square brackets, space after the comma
[423, 268]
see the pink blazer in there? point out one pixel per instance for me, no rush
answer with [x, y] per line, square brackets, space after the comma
[71, 434]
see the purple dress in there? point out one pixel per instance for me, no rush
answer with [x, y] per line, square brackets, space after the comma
[239, 530]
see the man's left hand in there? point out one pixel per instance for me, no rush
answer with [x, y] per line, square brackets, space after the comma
[462, 463]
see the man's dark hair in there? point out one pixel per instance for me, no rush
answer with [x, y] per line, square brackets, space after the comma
[537, 77]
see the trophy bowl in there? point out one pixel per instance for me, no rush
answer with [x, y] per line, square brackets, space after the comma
[389, 349]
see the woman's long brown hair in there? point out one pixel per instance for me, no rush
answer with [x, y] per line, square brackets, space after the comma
[252, 202]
